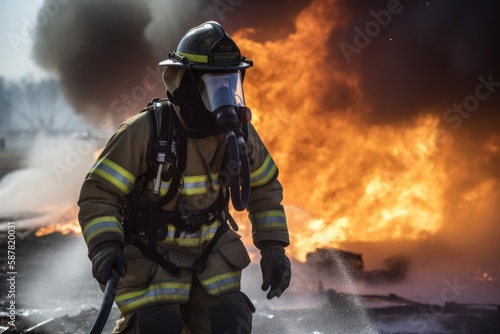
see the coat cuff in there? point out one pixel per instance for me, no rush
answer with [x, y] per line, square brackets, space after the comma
[269, 226]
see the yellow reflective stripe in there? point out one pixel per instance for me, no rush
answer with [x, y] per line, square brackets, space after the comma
[193, 185]
[264, 173]
[115, 174]
[161, 292]
[272, 219]
[197, 185]
[193, 57]
[163, 188]
[101, 225]
[195, 239]
[222, 282]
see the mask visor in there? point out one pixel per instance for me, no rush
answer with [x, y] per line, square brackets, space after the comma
[221, 89]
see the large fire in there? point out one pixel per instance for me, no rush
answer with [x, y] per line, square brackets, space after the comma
[346, 180]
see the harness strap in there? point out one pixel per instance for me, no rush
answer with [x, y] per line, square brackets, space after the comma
[161, 138]
[201, 263]
[176, 179]
[155, 256]
[162, 154]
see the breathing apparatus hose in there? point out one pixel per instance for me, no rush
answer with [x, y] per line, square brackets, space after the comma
[107, 303]
[239, 183]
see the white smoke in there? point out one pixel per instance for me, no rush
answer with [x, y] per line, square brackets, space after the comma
[171, 19]
[55, 169]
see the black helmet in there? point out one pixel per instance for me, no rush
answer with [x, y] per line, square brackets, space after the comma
[207, 47]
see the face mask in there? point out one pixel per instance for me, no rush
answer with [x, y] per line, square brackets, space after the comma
[219, 90]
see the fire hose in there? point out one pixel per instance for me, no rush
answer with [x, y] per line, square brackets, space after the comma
[228, 119]
[107, 303]
[239, 182]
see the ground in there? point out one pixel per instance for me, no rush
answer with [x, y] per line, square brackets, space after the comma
[55, 293]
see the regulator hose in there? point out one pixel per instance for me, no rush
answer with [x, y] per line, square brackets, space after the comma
[239, 182]
[107, 303]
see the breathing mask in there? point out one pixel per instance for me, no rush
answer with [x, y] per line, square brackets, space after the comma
[222, 94]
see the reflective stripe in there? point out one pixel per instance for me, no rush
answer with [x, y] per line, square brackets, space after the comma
[195, 239]
[197, 185]
[264, 173]
[193, 185]
[115, 174]
[101, 225]
[220, 283]
[163, 188]
[272, 219]
[161, 292]
[193, 57]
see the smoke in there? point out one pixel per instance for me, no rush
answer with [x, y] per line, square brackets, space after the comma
[50, 181]
[426, 54]
[104, 52]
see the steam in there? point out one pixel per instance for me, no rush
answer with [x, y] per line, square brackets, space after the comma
[50, 181]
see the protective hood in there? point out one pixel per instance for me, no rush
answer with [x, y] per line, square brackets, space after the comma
[183, 93]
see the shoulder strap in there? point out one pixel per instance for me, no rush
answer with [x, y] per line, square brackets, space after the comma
[178, 152]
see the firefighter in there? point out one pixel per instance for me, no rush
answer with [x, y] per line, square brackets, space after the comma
[168, 232]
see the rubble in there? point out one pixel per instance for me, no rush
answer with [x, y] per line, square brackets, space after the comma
[297, 312]
[334, 261]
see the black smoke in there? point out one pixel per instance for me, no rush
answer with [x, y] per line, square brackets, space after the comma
[428, 56]
[97, 49]
[102, 51]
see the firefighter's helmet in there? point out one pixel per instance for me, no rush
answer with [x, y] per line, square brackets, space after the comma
[207, 47]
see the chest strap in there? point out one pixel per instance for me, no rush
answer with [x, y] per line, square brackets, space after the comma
[199, 265]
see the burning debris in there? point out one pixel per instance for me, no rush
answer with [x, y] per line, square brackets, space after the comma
[334, 262]
[66, 224]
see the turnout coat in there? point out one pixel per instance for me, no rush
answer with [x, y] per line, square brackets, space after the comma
[112, 178]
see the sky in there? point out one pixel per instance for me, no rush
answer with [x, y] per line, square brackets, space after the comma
[16, 23]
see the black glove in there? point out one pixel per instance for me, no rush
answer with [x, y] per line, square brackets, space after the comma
[105, 257]
[276, 271]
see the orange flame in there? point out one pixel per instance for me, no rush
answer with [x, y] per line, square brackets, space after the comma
[344, 180]
[66, 224]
